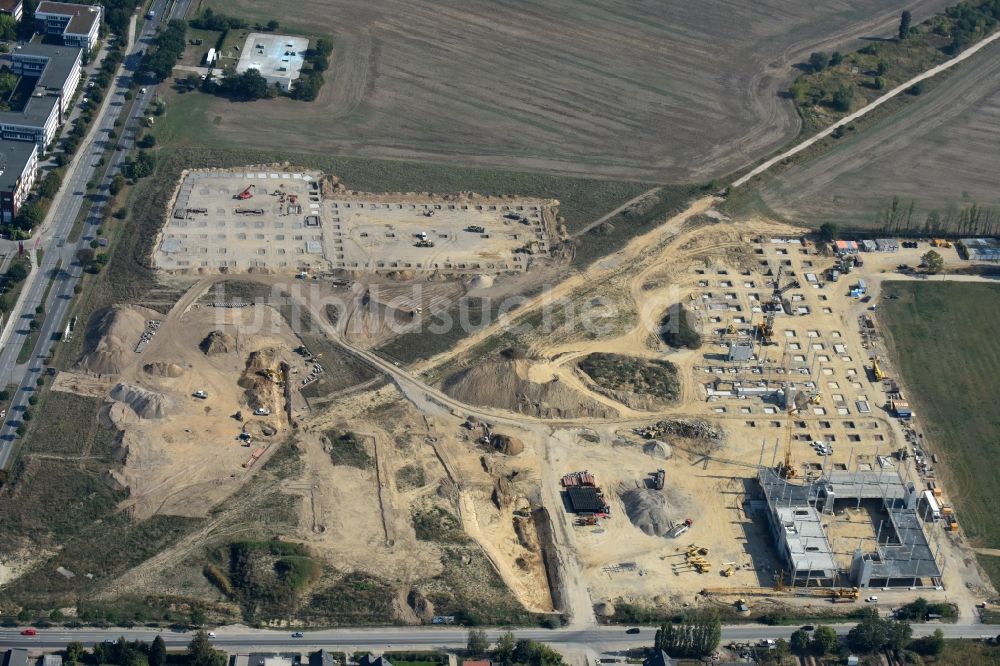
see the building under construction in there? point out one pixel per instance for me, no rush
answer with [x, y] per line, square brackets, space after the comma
[802, 517]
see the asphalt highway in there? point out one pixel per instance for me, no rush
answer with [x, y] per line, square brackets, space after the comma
[242, 639]
[59, 262]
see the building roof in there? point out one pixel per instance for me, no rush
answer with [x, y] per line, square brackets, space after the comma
[659, 658]
[322, 658]
[82, 18]
[9, 6]
[52, 660]
[16, 657]
[369, 660]
[34, 114]
[585, 499]
[62, 61]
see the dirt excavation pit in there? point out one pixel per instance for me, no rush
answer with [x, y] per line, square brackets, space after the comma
[184, 448]
[262, 220]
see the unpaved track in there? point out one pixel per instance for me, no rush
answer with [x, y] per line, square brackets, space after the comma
[847, 120]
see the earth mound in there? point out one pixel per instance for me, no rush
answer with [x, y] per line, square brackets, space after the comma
[507, 445]
[161, 369]
[145, 403]
[217, 342]
[657, 449]
[647, 509]
[111, 337]
[505, 384]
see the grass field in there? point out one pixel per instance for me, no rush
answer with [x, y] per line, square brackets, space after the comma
[675, 92]
[930, 151]
[944, 338]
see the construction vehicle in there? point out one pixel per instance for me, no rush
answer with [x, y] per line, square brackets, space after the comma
[658, 479]
[202, 395]
[729, 570]
[680, 529]
[424, 243]
[765, 329]
[245, 194]
[475, 228]
[877, 370]
[271, 375]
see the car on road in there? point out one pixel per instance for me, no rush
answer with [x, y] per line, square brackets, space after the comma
[211, 634]
[807, 627]
[872, 599]
[298, 634]
[633, 630]
[30, 631]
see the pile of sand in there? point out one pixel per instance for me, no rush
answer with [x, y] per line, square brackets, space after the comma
[217, 342]
[145, 403]
[481, 282]
[505, 384]
[259, 390]
[111, 337]
[507, 445]
[161, 369]
[647, 509]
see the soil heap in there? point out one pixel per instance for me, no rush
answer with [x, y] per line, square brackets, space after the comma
[146, 404]
[217, 342]
[647, 509]
[111, 337]
[161, 369]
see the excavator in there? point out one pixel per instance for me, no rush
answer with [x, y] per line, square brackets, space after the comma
[245, 194]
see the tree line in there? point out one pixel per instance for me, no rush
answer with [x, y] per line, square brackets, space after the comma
[903, 218]
[168, 44]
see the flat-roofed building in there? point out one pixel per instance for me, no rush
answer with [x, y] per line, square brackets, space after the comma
[78, 25]
[14, 8]
[18, 170]
[57, 73]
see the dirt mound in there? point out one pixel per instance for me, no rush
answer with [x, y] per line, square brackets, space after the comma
[481, 282]
[507, 445]
[505, 384]
[657, 449]
[647, 509]
[161, 369]
[259, 379]
[146, 404]
[111, 337]
[217, 342]
[421, 605]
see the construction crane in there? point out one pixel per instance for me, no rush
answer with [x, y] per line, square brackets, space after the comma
[245, 194]
[834, 594]
[786, 469]
[765, 329]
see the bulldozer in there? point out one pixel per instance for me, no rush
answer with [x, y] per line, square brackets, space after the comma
[728, 571]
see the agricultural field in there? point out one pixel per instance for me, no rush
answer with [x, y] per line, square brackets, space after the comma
[931, 153]
[551, 88]
[943, 336]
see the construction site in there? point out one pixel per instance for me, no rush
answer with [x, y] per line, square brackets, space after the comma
[293, 222]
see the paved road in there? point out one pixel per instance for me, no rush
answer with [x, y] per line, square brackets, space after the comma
[847, 120]
[59, 261]
[599, 638]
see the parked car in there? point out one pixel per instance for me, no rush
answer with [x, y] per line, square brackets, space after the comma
[872, 599]
[633, 630]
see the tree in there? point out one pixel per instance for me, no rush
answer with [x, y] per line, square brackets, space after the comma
[879, 83]
[932, 262]
[843, 97]
[904, 24]
[868, 635]
[17, 272]
[829, 231]
[157, 652]
[882, 68]
[929, 645]
[693, 639]
[74, 652]
[201, 652]
[8, 27]
[478, 643]
[799, 642]
[504, 651]
[5, 395]
[818, 61]
[272, 25]
[836, 58]
[147, 141]
[197, 617]
[824, 640]
[897, 634]
[117, 183]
